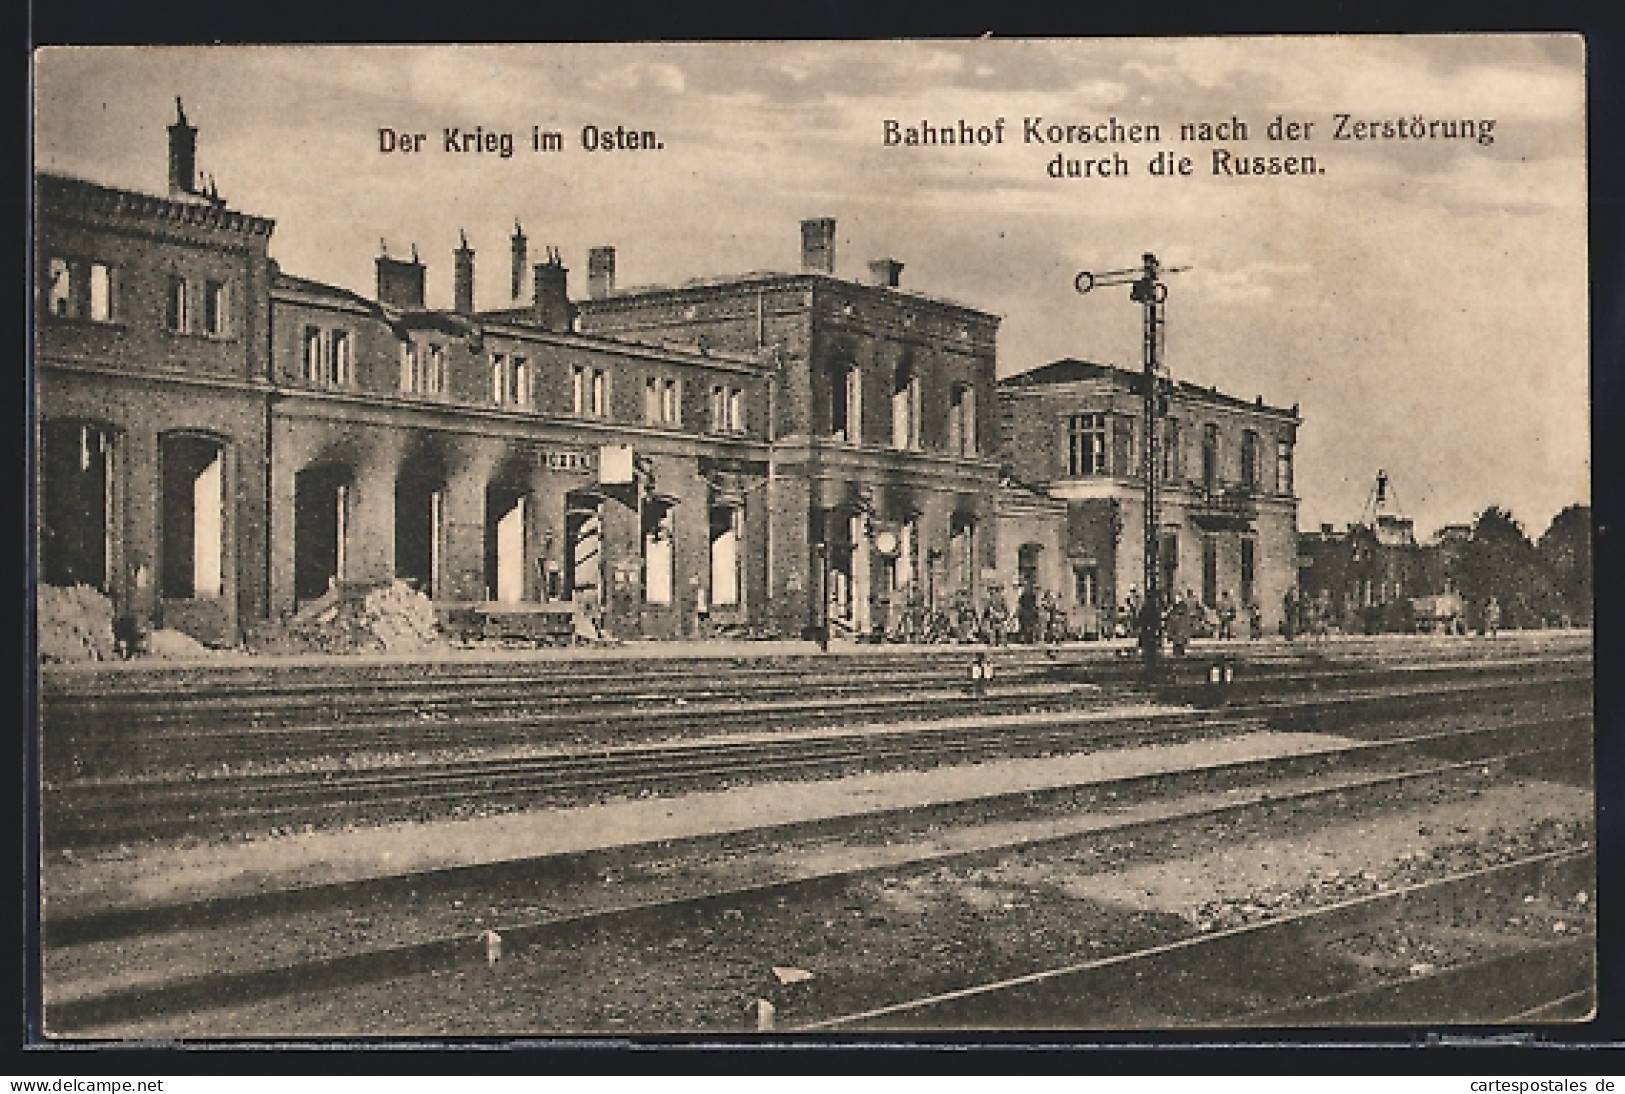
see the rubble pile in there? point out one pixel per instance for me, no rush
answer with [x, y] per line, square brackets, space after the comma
[393, 618]
[75, 624]
[171, 644]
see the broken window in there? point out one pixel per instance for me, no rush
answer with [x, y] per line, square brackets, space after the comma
[80, 290]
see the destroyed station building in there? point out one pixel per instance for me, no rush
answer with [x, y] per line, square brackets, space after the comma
[220, 442]
[1072, 435]
[152, 395]
[881, 425]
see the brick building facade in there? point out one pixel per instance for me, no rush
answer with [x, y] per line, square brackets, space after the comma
[220, 442]
[1072, 432]
[151, 393]
[881, 420]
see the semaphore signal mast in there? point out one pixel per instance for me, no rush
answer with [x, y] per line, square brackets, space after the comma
[1147, 289]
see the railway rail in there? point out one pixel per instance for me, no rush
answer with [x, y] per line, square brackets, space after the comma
[1100, 993]
[90, 812]
[127, 721]
[1169, 803]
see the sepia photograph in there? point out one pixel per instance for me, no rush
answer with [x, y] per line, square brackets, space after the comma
[796, 541]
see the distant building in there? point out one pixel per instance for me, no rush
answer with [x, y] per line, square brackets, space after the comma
[1072, 430]
[1364, 579]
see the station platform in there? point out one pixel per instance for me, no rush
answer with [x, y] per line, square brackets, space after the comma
[155, 875]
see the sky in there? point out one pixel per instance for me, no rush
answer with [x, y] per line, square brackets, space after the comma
[1422, 302]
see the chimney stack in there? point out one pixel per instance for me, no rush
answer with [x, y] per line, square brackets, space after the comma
[519, 262]
[462, 291]
[551, 309]
[182, 154]
[400, 281]
[600, 272]
[818, 245]
[886, 272]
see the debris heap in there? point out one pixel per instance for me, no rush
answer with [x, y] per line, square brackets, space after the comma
[75, 624]
[392, 618]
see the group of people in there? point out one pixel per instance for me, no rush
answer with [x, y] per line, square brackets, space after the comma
[1184, 616]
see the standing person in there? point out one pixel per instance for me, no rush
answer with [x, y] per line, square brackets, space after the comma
[1492, 617]
[1227, 616]
[1131, 612]
[994, 617]
[1179, 625]
[1289, 617]
[1027, 614]
[1255, 621]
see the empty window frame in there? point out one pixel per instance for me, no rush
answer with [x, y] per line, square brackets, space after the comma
[662, 401]
[962, 420]
[176, 305]
[313, 364]
[1210, 457]
[846, 404]
[727, 409]
[589, 391]
[501, 379]
[1086, 445]
[411, 368]
[342, 373]
[1283, 467]
[905, 408]
[215, 312]
[1249, 459]
[80, 290]
[329, 358]
[434, 372]
[1086, 586]
[1172, 455]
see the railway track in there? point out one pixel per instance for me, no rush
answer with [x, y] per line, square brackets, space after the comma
[1102, 993]
[141, 721]
[419, 938]
[90, 812]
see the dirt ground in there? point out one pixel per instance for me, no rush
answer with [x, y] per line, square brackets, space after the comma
[883, 938]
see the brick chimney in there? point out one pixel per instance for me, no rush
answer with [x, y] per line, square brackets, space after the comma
[886, 272]
[462, 287]
[400, 281]
[818, 245]
[551, 309]
[520, 262]
[182, 154]
[600, 272]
